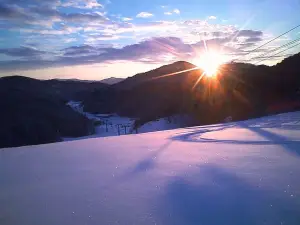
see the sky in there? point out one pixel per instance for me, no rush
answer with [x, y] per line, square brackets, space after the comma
[97, 39]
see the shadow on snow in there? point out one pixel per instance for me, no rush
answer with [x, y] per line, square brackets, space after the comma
[257, 126]
[215, 196]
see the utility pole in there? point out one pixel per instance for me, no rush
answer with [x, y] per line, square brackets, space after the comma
[118, 125]
[125, 127]
[106, 124]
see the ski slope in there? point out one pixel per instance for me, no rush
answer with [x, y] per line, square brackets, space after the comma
[227, 174]
[113, 121]
[113, 125]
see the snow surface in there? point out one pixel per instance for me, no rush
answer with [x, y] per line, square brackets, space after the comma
[226, 174]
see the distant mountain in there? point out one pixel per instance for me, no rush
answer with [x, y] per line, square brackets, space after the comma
[112, 80]
[72, 89]
[75, 80]
[241, 91]
[149, 95]
[134, 96]
[151, 75]
[35, 111]
[109, 81]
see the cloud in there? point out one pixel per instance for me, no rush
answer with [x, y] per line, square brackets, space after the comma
[25, 3]
[127, 19]
[235, 35]
[63, 31]
[144, 15]
[153, 50]
[83, 17]
[82, 4]
[52, 27]
[149, 28]
[249, 33]
[93, 4]
[71, 17]
[34, 17]
[101, 37]
[93, 28]
[176, 11]
[189, 31]
[13, 12]
[84, 50]
[70, 40]
[38, 13]
[48, 42]
[253, 39]
[21, 52]
[212, 17]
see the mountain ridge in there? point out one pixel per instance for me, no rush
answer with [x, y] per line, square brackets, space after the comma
[112, 80]
[241, 91]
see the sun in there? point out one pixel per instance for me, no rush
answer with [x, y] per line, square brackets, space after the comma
[210, 62]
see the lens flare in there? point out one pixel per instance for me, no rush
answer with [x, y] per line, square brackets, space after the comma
[210, 62]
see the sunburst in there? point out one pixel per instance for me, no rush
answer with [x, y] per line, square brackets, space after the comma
[210, 61]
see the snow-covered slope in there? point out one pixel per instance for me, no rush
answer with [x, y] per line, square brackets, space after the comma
[114, 125]
[166, 123]
[234, 173]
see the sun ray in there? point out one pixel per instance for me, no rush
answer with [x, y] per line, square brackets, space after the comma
[232, 73]
[240, 97]
[199, 79]
[205, 46]
[248, 21]
[171, 74]
[166, 47]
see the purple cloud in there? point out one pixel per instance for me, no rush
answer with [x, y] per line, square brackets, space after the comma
[21, 52]
[12, 12]
[152, 50]
[249, 33]
[253, 39]
[32, 15]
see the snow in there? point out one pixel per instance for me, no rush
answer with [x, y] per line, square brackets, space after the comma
[166, 123]
[78, 107]
[232, 174]
[114, 125]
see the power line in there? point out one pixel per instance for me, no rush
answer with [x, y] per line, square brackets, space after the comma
[267, 57]
[272, 50]
[271, 40]
[276, 49]
[278, 56]
[279, 52]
